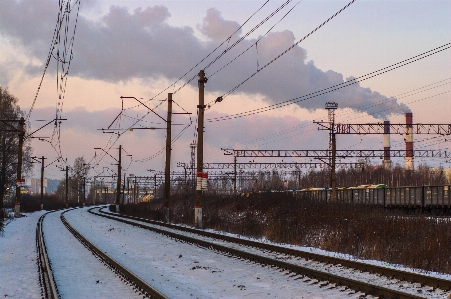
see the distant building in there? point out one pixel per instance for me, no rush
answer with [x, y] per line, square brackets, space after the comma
[34, 186]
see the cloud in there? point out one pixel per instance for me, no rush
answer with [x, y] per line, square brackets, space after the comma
[216, 28]
[123, 45]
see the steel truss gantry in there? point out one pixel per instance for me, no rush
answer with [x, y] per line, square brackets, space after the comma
[400, 129]
[339, 153]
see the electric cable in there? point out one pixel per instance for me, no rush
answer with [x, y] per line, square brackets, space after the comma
[283, 53]
[337, 86]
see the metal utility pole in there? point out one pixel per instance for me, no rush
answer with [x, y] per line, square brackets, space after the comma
[118, 187]
[42, 182]
[19, 166]
[200, 152]
[67, 186]
[167, 170]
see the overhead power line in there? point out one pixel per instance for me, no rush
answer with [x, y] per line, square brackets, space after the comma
[283, 53]
[203, 59]
[254, 44]
[337, 86]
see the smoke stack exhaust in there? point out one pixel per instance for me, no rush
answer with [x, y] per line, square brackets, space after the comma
[409, 141]
[387, 161]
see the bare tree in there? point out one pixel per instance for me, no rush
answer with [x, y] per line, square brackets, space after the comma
[9, 140]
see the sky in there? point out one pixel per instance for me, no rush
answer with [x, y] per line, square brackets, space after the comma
[147, 49]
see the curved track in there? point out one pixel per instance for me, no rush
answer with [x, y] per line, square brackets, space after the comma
[415, 279]
[47, 279]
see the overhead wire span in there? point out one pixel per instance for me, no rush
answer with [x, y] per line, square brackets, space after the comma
[60, 41]
[284, 52]
[251, 31]
[254, 44]
[52, 48]
[337, 86]
[219, 56]
[380, 102]
[203, 59]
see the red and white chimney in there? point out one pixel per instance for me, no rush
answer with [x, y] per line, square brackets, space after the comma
[387, 161]
[409, 142]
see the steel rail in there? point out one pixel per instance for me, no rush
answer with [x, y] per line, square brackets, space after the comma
[398, 274]
[356, 285]
[46, 278]
[120, 269]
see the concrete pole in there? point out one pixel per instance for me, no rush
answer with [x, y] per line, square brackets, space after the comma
[134, 191]
[167, 170]
[19, 166]
[118, 187]
[155, 185]
[84, 191]
[67, 186]
[200, 152]
[234, 175]
[185, 183]
[42, 182]
[95, 192]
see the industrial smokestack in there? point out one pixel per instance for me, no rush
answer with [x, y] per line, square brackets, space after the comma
[387, 161]
[409, 141]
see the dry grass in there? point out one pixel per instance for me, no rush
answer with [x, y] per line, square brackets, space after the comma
[361, 231]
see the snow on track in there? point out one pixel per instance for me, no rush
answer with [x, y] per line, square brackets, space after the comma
[181, 270]
[371, 278]
[19, 276]
[77, 272]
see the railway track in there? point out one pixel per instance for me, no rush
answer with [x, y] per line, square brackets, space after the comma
[47, 280]
[282, 257]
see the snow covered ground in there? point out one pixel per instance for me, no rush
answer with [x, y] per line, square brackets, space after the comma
[388, 283]
[78, 273]
[177, 269]
[181, 270]
[19, 277]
